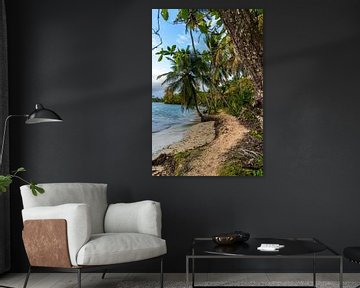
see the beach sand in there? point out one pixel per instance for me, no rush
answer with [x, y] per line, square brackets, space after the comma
[230, 132]
[215, 146]
[198, 135]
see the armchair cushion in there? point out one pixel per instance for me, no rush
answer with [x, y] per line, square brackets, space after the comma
[78, 221]
[138, 217]
[92, 194]
[113, 248]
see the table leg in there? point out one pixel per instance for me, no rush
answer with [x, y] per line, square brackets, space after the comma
[193, 272]
[187, 272]
[314, 271]
[341, 273]
[193, 268]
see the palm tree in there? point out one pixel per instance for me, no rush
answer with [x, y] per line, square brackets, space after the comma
[225, 63]
[185, 77]
[219, 56]
[248, 42]
[216, 57]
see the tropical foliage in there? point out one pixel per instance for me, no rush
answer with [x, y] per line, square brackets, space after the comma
[157, 99]
[170, 97]
[227, 74]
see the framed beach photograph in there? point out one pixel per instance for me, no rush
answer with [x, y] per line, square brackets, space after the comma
[207, 92]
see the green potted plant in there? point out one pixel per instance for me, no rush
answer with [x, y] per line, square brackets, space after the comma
[6, 180]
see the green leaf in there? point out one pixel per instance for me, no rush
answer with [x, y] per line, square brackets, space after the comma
[173, 47]
[165, 14]
[40, 190]
[5, 182]
[184, 14]
[160, 58]
[36, 189]
[20, 169]
[203, 28]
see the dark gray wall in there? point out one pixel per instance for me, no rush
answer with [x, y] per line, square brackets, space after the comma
[4, 166]
[91, 61]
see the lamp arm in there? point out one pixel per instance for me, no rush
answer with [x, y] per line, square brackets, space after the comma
[4, 134]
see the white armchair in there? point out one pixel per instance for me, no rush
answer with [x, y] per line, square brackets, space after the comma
[72, 228]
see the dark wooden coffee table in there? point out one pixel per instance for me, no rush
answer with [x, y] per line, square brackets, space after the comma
[295, 248]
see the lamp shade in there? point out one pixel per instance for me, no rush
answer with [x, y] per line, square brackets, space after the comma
[42, 115]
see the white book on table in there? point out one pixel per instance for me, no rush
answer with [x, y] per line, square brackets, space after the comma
[270, 247]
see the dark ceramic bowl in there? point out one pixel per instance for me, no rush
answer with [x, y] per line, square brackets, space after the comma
[225, 239]
[231, 238]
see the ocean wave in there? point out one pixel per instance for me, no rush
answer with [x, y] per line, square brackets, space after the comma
[169, 124]
[158, 128]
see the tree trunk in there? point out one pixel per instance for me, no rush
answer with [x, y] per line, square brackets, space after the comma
[244, 31]
[195, 96]
[192, 42]
[197, 109]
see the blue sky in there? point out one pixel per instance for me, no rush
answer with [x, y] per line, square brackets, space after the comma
[171, 34]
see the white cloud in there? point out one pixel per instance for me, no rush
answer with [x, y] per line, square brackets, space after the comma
[183, 39]
[157, 88]
[156, 72]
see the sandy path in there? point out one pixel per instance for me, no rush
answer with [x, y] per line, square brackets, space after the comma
[229, 134]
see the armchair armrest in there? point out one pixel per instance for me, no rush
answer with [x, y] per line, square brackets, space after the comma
[138, 217]
[77, 217]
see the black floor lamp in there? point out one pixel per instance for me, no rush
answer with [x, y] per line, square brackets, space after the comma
[39, 115]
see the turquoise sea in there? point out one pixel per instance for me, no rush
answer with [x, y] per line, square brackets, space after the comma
[169, 124]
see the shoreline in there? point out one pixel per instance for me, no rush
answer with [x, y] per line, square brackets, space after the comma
[170, 124]
[196, 136]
